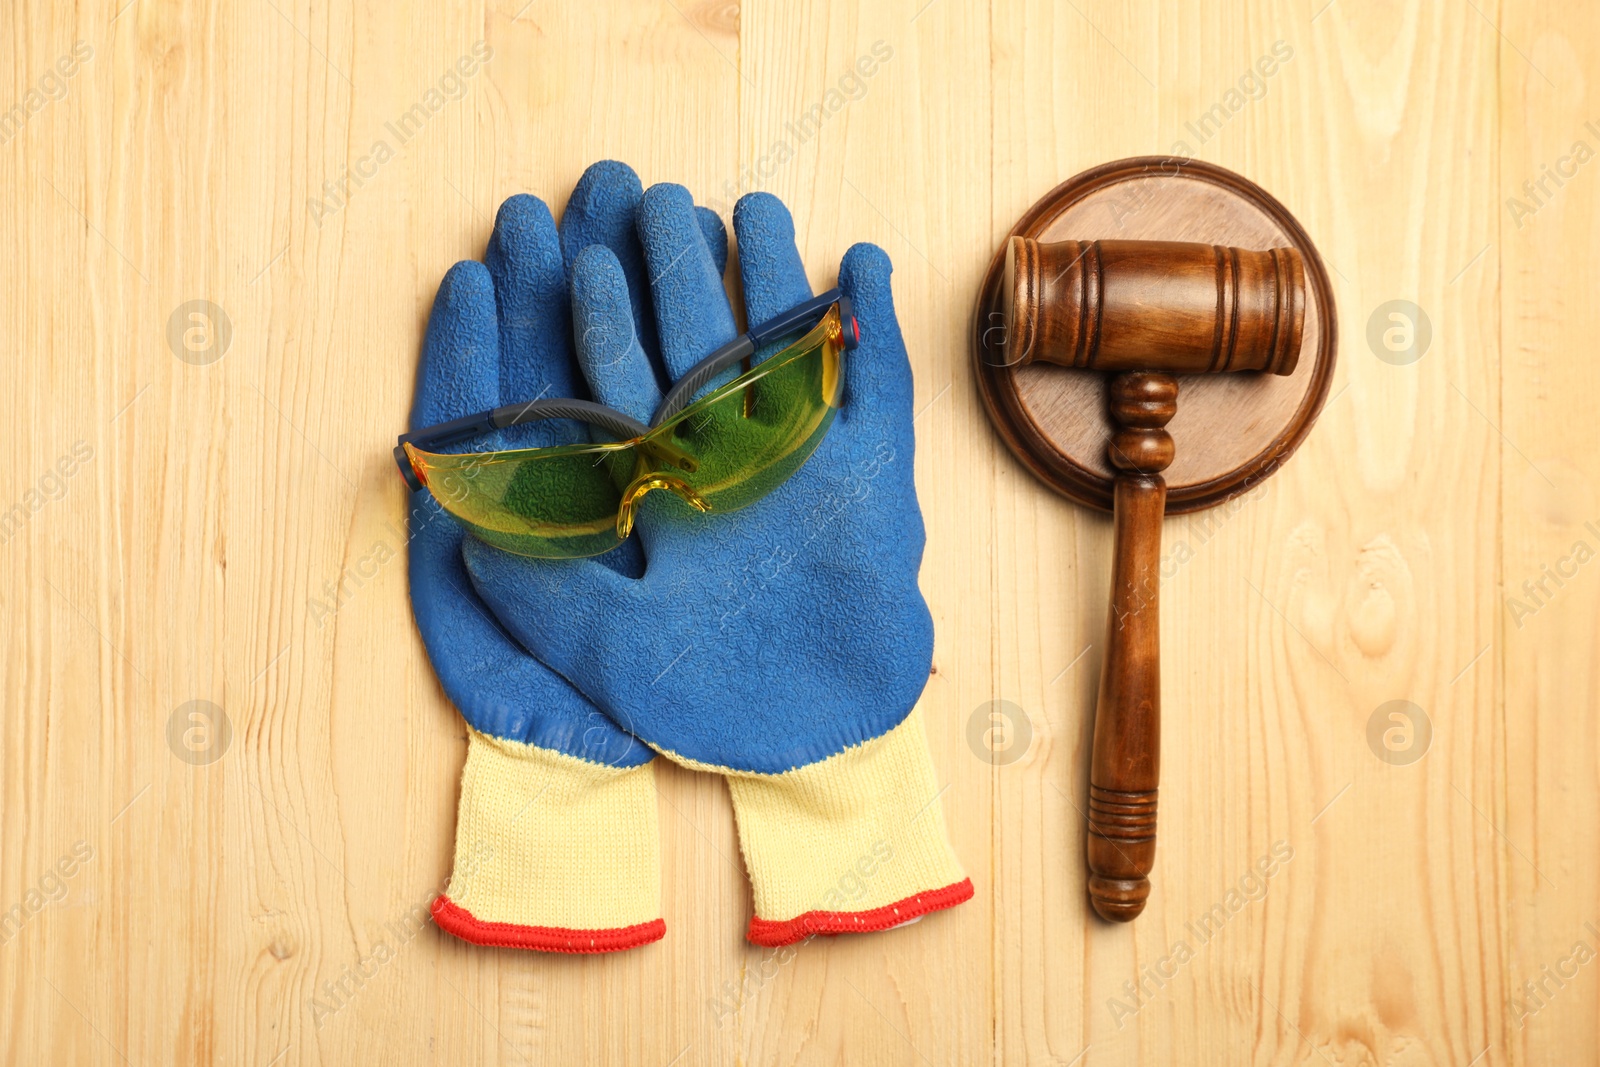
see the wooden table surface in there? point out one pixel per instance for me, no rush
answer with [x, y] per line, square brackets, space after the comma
[225, 224]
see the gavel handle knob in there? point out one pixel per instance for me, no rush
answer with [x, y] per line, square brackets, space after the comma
[1126, 763]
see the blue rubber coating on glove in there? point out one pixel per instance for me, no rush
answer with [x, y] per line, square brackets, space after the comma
[459, 369]
[604, 210]
[774, 277]
[878, 391]
[530, 291]
[500, 333]
[691, 307]
[778, 635]
[716, 237]
[607, 346]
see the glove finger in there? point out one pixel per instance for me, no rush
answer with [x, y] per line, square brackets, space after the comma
[604, 210]
[613, 363]
[617, 370]
[562, 611]
[691, 306]
[877, 374]
[495, 684]
[536, 361]
[459, 373]
[536, 351]
[716, 235]
[774, 278]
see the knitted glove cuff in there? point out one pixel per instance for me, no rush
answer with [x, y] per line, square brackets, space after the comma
[852, 844]
[553, 853]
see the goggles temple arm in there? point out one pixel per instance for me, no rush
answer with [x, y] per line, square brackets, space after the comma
[795, 317]
[448, 433]
[610, 420]
[431, 438]
[677, 398]
[615, 423]
[744, 346]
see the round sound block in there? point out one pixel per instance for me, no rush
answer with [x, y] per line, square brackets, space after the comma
[1230, 430]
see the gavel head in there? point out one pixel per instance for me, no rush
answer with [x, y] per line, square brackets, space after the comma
[1165, 306]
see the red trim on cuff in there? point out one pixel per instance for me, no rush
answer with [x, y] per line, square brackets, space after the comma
[454, 919]
[774, 934]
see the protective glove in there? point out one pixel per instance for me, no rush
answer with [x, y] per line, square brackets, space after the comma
[556, 839]
[784, 645]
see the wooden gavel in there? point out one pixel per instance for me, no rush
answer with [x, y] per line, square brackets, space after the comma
[1143, 311]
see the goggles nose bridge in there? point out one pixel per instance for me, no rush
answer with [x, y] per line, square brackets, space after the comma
[627, 507]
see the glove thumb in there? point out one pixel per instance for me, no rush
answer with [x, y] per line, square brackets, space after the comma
[878, 373]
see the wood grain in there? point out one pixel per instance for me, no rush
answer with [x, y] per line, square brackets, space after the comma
[225, 531]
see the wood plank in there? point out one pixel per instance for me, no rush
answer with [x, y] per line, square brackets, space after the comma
[172, 527]
[1547, 220]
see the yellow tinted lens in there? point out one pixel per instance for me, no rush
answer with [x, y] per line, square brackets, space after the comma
[750, 435]
[724, 451]
[555, 503]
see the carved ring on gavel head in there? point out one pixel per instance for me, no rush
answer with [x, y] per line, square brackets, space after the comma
[1138, 314]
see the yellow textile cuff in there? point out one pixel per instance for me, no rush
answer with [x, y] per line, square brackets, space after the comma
[553, 852]
[854, 843]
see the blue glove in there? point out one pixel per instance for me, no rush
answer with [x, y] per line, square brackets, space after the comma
[784, 645]
[556, 840]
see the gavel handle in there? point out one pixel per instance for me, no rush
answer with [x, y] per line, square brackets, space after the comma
[1126, 763]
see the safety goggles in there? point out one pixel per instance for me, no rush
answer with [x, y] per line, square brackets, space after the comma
[719, 452]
